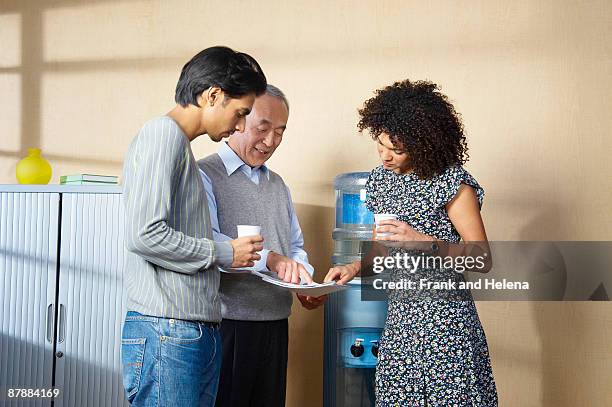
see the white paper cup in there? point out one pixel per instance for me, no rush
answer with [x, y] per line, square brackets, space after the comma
[248, 230]
[379, 217]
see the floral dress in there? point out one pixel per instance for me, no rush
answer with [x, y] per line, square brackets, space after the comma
[432, 353]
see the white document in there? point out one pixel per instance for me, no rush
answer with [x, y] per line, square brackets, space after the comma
[322, 289]
[229, 270]
[313, 289]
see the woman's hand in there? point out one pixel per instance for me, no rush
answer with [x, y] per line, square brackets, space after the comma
[399, 232]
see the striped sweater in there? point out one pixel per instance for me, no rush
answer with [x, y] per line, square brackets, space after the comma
[170, 268]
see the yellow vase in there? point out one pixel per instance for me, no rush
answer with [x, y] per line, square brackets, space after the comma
[33, 169]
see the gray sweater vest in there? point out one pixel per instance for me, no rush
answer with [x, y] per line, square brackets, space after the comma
[240, 201]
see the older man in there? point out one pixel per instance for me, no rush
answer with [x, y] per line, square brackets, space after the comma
[242, 190]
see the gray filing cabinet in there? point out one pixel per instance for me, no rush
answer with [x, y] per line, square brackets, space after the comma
[61, 270]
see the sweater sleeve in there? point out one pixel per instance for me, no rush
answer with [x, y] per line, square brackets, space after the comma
[153, 165]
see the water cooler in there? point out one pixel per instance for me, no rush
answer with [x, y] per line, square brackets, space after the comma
[352, 326]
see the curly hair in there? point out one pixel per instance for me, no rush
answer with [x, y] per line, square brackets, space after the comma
[420, 121]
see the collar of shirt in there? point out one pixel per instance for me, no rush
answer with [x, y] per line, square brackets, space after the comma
[233, 162]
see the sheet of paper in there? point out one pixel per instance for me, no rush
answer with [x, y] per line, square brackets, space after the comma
[272, 278]
[234, 271]
[318, 291]
[314, 289]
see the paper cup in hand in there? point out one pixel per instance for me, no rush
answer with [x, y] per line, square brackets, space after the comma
[379, 217]
[248, 230]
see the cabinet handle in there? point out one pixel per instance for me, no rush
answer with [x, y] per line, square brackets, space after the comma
[61, 328]
[49, 322]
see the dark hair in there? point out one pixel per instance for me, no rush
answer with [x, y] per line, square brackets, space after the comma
[420, 121]
[236, 73]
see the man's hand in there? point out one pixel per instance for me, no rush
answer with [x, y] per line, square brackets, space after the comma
[309, 302]
[288, 270]
[245, 250]
[343, 274]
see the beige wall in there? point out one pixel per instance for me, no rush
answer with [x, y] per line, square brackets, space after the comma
[531, 78]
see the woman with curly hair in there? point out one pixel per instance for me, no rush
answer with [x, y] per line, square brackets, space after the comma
[432, 352]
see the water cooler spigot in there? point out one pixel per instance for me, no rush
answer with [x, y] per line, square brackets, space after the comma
[357, 348]
[375, 345]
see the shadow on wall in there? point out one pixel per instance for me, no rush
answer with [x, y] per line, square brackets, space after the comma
[568, 331]
[305, 370]
[533, 219]
[572, 350]
[317, 223]
[31, 69]
[549, 318]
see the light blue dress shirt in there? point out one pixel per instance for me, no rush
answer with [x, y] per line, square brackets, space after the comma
[233, 163]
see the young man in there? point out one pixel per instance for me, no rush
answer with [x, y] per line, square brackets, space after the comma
[242, 190]
[170, 342]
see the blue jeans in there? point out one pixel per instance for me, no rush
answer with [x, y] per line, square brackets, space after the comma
[169, 362]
